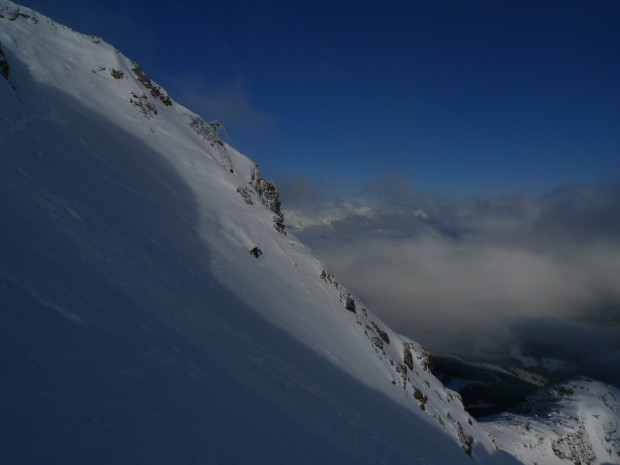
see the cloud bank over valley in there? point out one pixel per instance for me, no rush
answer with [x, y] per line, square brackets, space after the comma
[474, 275]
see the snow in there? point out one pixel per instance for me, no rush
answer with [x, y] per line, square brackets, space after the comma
[139, 328]
[574, 422]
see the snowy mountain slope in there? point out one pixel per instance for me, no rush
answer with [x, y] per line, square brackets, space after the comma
[573, 423]
[155, 310]
[137, 325]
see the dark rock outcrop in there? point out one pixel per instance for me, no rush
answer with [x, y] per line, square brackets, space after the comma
[270, 197]
[378, 342]
[203, 129]
[408, 357]
[246, 195]
[465, 440]
[156, 91]
[142, 103]
[278, 223]
[382, 334]
[116, 74]
[14, 13]
[328, 277]
[349, 303]
[424, 358]
[208, 132]
[267, 191]
[5, 69]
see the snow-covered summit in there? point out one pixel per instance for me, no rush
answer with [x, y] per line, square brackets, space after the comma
[156, 308]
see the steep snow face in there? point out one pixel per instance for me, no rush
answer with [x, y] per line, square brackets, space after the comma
[576, 422]
[156, 308]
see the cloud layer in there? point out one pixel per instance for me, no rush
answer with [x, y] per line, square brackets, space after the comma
[472, 274]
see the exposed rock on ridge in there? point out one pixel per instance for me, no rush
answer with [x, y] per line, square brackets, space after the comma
[270, 197]
[13, 12]
[411, 368]
[206, 131]
[156, 91]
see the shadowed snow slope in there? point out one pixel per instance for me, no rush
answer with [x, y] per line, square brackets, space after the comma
[154, 308]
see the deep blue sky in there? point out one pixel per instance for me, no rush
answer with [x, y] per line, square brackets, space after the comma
[462, 97]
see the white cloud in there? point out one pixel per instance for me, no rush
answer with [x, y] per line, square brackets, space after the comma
[473, 269]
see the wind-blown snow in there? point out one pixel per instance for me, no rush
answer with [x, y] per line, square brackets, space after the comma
[138, 327]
